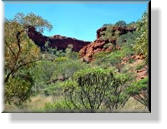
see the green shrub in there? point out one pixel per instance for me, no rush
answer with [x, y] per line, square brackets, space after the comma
[92, 89]
[108, 45]
[141, 46]
[54, 89]
[139, 90]
[128, 39]
[121, 23]
[114, 59]
[59, 106]
[42, 72]
[140, 66]
[47, 74]
[66, 67]
[109, 34]
[17, 90]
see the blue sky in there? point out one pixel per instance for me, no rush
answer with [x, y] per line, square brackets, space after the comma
[78, 20]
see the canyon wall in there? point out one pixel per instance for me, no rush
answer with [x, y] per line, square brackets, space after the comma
[57, 41]
[100, 44]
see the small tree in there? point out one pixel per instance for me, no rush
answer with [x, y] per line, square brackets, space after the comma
[20, 53]
[120, 23]
[93, 89]
[32, 20]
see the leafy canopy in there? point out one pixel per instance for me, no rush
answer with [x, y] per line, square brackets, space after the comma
[20, 52]
[32, 20]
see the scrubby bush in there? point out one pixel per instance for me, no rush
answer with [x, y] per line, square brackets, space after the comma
[18, 90]
[41, 72]
[128, 39]
[66, 67]
[121, 24]
[140, 66]
[139, 90]
[141, 46]
[109, 34]
[48, 74]
[107, 59]
[96, 88]
[54, 89]
[59, 106]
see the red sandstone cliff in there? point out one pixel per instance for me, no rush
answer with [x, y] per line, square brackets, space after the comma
[87, 52]
[57, 41]
[85, 49]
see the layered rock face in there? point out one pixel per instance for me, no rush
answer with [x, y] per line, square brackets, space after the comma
[87, 52]
[86, 49]
[57, 41]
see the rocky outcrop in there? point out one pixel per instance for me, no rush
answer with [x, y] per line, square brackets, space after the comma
[87, 52]
[99, 45]
[122, 30]
[57, 41]
[85, 49]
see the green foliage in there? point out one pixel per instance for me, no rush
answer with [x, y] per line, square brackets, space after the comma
[120, 23]
[141, 46]
[108, 45]
[128, 39]
[66, 67]
[53, 89]
[114, 58]
[59, 106]
[17, 90]
[42, 72]
[109, 34]
[32, 19]
[47, 74]
[20, 51]
[20, 54]
[68, 53]
[138, 86]
[139, 90]
[140, 66]
[117, 56]
[132, 24]
[94, 88]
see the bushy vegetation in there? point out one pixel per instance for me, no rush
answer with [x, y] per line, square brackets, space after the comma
[114, 59]
[96, 89]
[141, 45]
[109, 34]
[139, 90]
[103, 85]
[20, 53]
[18, 90]
[121, 23]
